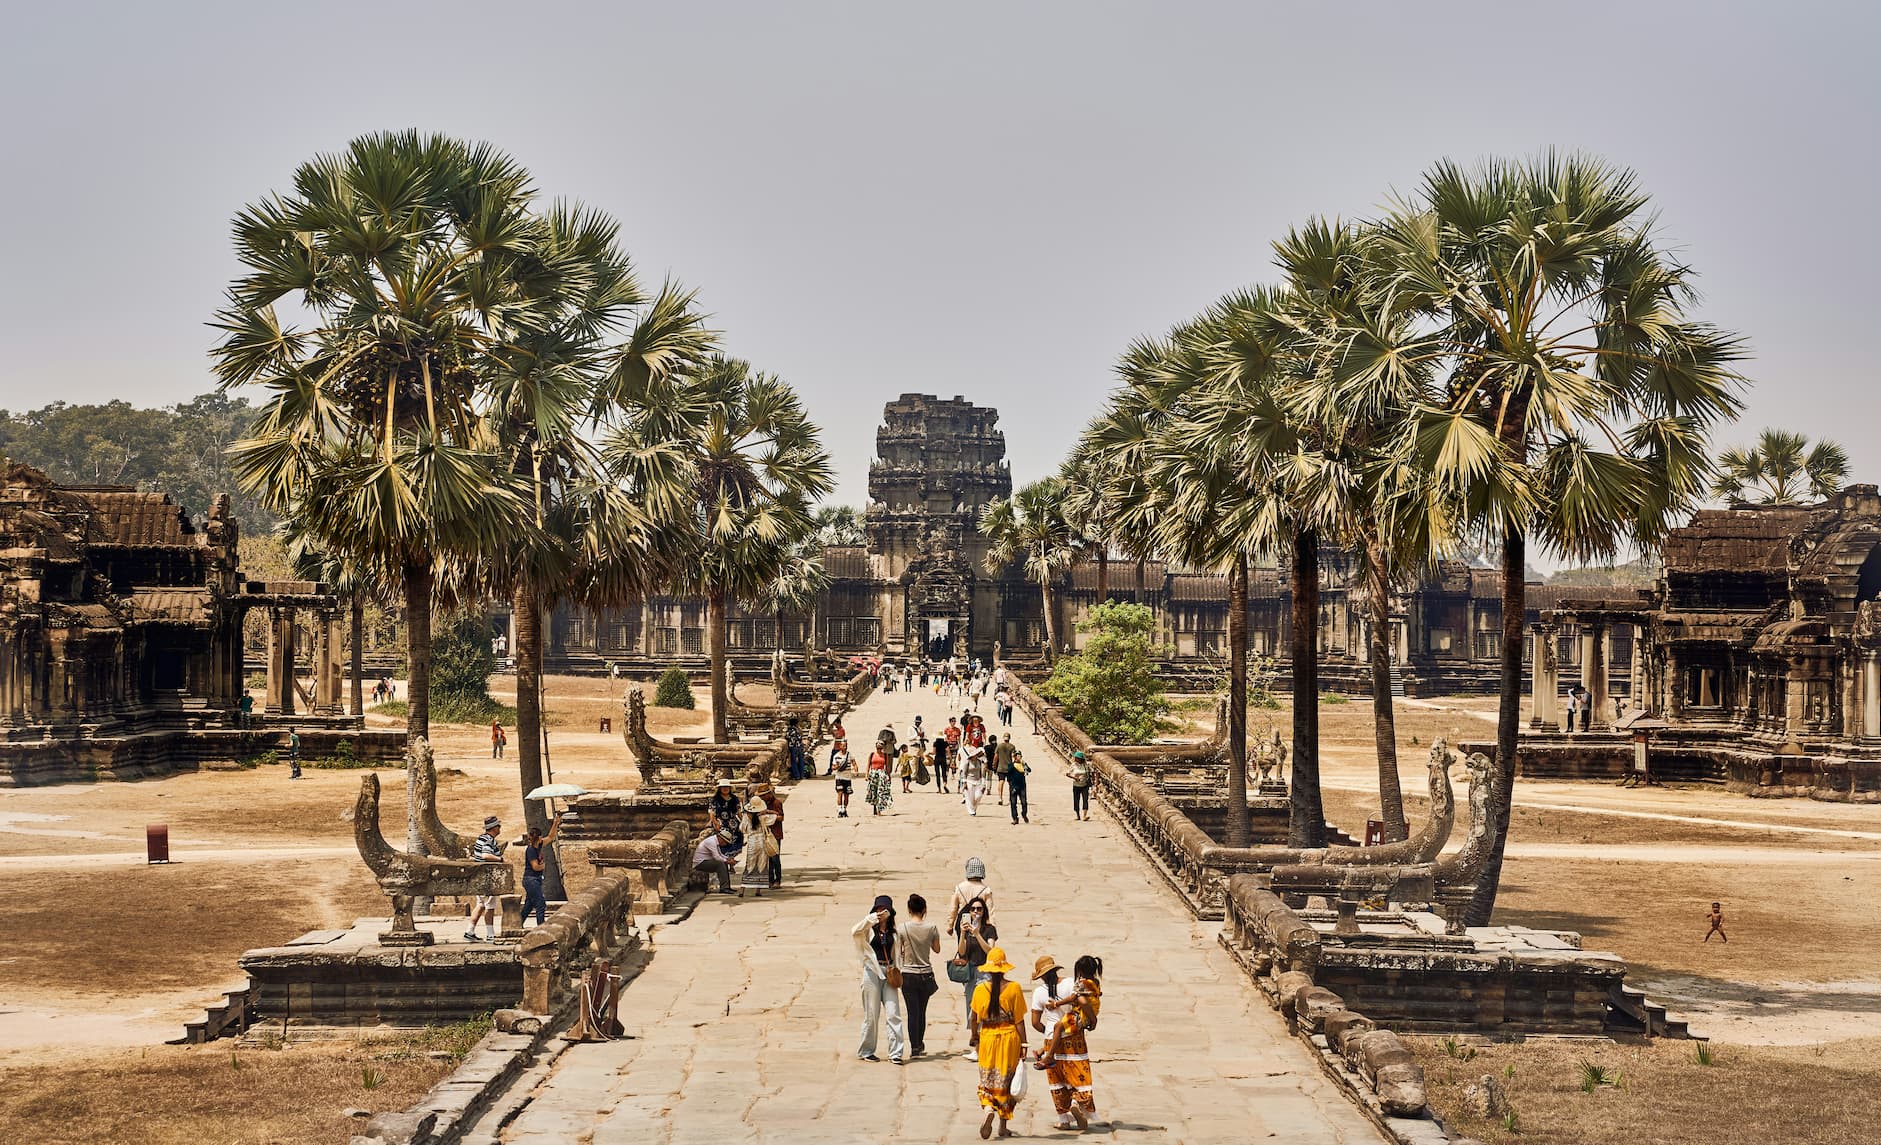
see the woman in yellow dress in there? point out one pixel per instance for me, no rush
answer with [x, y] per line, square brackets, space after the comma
[999, 1022]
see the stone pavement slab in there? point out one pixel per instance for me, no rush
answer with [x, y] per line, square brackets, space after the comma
[744, 1025]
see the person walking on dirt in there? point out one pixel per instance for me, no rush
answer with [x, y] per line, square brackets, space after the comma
[498, 737]
[1716, 918]
[293, 752]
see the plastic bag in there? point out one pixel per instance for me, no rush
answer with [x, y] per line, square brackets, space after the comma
[1018, 1080]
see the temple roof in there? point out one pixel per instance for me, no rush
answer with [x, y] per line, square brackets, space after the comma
[1735, 540]
[123, 516]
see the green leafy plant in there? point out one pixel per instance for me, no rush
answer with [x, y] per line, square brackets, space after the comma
[1510, 1124]
[1333, 699]
[370, 1078]
[1110, 689]
[1457, 1050]
[1596, 1076]
[1703, 1054]
[674, 690]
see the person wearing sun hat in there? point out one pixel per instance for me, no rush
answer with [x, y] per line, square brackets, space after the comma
[760, 845]
[998, 1020]
[724, 812]
[487, 848]
[1051, 1001]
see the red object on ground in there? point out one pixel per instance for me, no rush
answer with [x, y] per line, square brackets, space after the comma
[157, 842]
[1374, 832]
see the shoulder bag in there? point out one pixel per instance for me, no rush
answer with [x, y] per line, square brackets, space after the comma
[892, 972]
[958, 968]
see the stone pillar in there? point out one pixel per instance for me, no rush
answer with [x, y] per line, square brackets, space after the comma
[1871, 694]
[1795, 699]
[1674, 686]
[1543, 673]
[1594, 675]
[280, 698]
[1636, 686]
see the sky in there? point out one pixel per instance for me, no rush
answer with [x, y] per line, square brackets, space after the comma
[984, 200]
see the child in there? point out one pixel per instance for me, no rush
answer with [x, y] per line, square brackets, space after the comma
[844, 769]
[1716, 919]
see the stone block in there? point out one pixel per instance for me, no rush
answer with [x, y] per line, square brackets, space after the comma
[1343, 1025]
[397, 1128]
[1400, 1089]
[1311, 1006]
[1287, 988]
[516, 1022]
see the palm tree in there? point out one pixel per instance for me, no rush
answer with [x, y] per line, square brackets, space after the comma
[838, 525]
[1031, 527]
[1780, 469]
[743, 447]
[412, 258]
[1571, 395]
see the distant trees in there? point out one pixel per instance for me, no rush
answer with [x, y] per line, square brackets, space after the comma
[178, 449]
[1110, 688]
[1781, 469]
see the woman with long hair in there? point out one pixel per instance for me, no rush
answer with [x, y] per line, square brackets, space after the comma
[875, 946]
[977, 936]
[881, 790]
[760, 846]
[1066, 1057]
[997, 1019]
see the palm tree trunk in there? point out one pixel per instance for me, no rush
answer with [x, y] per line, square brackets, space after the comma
[1140, 562]
[1051, 625]
[358, 665]
[418, 578]
[1508, 723]
[1103, 574]
[1307, 823]
[715, 647]
[1240, 830]
[1384, 719]
[526, 644]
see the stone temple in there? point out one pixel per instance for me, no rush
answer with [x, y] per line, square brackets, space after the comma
[920, 586]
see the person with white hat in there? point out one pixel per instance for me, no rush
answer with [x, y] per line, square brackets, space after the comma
[714, 856]
[486, 849]
[760, 846]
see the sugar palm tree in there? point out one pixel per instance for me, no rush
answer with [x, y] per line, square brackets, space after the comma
[1780, 470]
[1030, 527]
[748, 455]
[1572, 394]
[838, 525]
[410, 257]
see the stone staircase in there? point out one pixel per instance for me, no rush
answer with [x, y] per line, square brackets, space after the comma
[1631, 1011]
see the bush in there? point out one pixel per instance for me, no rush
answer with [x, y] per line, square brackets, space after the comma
[1110, 689]
[675, 690]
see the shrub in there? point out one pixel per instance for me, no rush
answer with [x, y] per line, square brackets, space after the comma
[675, 690]
[1110, 689]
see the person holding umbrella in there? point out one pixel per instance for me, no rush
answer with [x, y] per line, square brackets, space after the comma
[535, 866]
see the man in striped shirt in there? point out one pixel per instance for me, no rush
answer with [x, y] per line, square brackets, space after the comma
[486, 850]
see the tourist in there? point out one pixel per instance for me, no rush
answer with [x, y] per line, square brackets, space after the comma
[245, 711]
[881, 790]
[293, 752]
[1587, 707]
[952, 732]
[1052, 999]
[775, 806]
[1716, 918]
[875, 945]
[904, 768]
[760, 845]
[1000, 757]
[1066, 1057]
[724, 812]
[994, 1016]
[973, 887]
[1016, 770]
[838, 743]
[844, 769]
[497, 739]
[1080, 775]
[714, 856]
[942, 761]
[486, 849]
[793, 744]
[535, 867]
[973, 781]
[919, 942]
[977, 934]
[974, 731]
[919, 732]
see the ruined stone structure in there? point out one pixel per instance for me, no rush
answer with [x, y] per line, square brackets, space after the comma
[121, 635]
[920, 587]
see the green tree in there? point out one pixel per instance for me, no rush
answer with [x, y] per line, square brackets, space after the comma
[675, 690]
[1780, 470]
[1110, 688]
[462, 664]
[1571, 394]
[839, 525]
[1031, 527]
[742, 447]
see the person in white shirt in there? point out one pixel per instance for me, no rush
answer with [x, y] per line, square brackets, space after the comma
[1052, 1000]
[875, 938]
[711, 857]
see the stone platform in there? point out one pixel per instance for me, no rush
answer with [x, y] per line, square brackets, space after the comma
[347, 978]
[86, 754]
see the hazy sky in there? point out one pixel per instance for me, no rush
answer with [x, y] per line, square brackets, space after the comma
[984, 200]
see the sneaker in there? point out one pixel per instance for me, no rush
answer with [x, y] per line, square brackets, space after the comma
[471, 936]
[870, 1058]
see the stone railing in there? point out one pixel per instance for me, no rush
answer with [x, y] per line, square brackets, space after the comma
[587, 927]
[1280, 951]
[661, 865]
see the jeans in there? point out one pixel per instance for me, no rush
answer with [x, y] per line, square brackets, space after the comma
[916, 989]
[797, 759]
[534, 899]
[1081, 799]
[722, 870]
[878, 999]
[1021, 804]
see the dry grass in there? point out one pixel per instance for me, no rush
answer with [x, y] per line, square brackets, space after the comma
[182, 1095]
[1799, 1095]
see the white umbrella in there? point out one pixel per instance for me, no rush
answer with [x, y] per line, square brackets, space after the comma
[557, 791]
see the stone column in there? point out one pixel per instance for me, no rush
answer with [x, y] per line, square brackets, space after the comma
[1674, 687]
[1545, 688]
[1871, 694]
[1795, 699]
[280, 699]
[1636, 686]
[1594, 676]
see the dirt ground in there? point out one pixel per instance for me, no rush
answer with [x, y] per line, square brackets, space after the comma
[1661, 1094]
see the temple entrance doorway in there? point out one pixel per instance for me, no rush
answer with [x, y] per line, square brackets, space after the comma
[940, 638]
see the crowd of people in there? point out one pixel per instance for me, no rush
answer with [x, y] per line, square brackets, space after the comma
[898, 980]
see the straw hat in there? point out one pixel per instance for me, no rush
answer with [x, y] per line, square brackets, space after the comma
[1045, 965]
[996, 962]
[723, 781]
[757, 806]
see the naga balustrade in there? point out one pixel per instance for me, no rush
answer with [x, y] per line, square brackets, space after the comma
[586, 928]
[662, 863]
